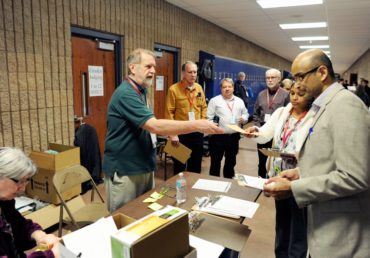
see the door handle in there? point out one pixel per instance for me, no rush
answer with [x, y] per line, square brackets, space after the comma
[85, 106]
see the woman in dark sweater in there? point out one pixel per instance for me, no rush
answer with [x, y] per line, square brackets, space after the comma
[18, 234]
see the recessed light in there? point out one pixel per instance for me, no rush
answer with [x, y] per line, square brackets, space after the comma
[307, 25]
[310, 38]
[314, 46]
[286, 3]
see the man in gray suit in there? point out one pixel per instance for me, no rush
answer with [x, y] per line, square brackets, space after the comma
[333, 175]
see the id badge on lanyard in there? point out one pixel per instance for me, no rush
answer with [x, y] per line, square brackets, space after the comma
[191, 115]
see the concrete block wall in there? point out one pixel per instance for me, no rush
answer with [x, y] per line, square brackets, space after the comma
[36, 86]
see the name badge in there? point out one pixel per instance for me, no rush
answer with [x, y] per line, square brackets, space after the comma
[153, 137]
[233, 119]
[267, 117]
[191, 116]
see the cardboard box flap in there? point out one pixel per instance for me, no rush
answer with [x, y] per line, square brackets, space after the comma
[67, 156]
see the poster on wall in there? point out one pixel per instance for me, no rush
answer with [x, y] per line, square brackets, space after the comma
[96, 83]
[159, 83]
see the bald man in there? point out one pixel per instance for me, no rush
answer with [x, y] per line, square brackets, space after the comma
[333, 175]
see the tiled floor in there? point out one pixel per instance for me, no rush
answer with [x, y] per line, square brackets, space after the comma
[261, 241]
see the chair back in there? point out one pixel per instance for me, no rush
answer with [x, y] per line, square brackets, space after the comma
[68, 178]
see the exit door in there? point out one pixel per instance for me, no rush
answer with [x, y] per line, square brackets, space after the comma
[166, 72]
[94, 82]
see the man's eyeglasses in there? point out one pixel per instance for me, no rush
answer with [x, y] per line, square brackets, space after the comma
[271, 77]
[299, 77]
[20, 181]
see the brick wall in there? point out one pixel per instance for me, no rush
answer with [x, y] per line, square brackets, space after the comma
[36, 88]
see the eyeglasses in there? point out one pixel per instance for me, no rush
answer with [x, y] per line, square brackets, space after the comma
[21, 181]
[299, 77]
[271, 77]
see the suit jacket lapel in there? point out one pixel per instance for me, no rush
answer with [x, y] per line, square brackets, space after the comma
[327, 100]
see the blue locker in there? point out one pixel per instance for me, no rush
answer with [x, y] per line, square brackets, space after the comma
[223, 67]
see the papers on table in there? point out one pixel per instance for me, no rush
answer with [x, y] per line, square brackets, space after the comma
[212, 185]
[251, 181]
[227, 206]
[92, 241]
[205, 249]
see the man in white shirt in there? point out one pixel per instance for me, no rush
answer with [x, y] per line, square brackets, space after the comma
[225, 109]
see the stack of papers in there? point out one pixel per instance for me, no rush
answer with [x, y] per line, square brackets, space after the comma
[212, 185]
[227, 206]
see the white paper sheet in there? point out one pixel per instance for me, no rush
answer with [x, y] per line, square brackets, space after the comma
[251, 181]
[205, 249]
[212, 185]
[92, 241]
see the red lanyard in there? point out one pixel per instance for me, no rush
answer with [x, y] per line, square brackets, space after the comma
[135, 88]
[287, 133]
[270, 103]
[230, 108]
[191, 100]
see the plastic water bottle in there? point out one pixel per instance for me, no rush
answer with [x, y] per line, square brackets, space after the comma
[181, 189]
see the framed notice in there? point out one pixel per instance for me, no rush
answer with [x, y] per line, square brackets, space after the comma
[159, 83]
[96, 82]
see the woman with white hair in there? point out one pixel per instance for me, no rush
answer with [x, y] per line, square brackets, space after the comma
[18, 234]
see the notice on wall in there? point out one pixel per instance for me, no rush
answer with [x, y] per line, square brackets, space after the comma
[159, 83]
[96, 82]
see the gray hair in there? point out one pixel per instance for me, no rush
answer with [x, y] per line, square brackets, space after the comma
[274, 71]
[227, 80]
[15, 164]
[135, 57]
[241, 74]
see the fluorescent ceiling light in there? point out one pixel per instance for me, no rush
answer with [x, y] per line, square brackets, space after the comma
[308, 25]
[286, 3]
[314, 46]
[310, 38]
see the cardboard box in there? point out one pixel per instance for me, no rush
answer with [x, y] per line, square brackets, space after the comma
[67, 156]
[170, 240]
[49, 215]
[41, 187]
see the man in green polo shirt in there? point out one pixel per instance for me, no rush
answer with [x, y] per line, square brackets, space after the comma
[129, 155]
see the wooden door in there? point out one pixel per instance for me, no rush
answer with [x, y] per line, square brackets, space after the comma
[164, 74]
[90, 100]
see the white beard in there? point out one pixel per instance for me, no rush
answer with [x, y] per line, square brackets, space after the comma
[148, 82]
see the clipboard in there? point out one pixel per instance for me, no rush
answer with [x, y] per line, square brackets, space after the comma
[181, 153]
[276, 153]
